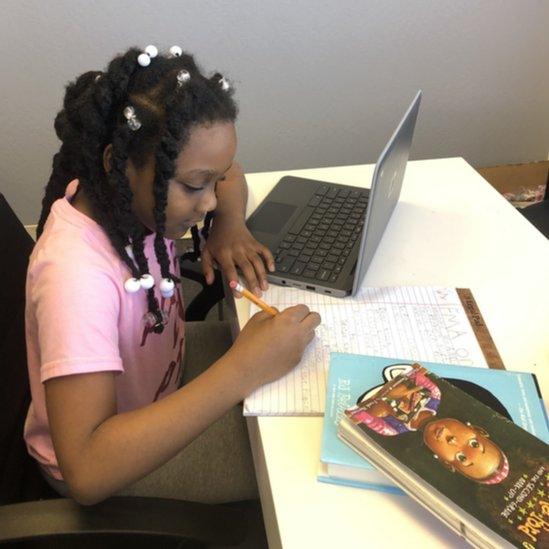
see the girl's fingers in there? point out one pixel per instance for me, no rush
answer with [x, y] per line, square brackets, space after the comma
[207, 266]
[249, 274]
[260, 272]
[267, 257]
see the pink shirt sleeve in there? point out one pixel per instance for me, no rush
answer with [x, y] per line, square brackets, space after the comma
[77, 311]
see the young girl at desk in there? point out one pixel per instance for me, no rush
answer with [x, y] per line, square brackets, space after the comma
[147, 150]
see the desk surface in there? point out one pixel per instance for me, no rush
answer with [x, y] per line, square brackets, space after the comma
[450, 228]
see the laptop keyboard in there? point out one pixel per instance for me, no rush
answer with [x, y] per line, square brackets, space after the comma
[321, 238]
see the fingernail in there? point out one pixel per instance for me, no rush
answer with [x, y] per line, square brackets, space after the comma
[257, 291]
[271, 267]
[264, 285]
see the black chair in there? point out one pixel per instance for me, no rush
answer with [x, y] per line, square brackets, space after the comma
[29, 514]
[538, 214]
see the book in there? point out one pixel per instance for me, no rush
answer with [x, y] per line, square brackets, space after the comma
[420, 322]
[474, 469]
[353, 377]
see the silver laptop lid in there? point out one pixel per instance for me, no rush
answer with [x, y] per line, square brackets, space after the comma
[385, 189]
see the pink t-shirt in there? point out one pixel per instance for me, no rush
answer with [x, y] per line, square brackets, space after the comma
[79, 319]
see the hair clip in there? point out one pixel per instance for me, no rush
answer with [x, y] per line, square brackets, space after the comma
[224, 83]
[175, 51]
[98, 76]
[183, 76]
[144, 59]
[133, 122]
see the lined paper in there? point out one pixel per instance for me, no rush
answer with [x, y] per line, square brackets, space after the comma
[409, 322]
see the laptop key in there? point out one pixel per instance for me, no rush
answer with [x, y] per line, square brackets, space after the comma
[285, 264]
[293, 253]
[315, 200]
[323, 274]
[307, 273]
[333, 278]
[332, 193]
[323, 189]
[298, 268]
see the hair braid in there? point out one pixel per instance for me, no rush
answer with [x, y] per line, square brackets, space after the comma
[92, 118]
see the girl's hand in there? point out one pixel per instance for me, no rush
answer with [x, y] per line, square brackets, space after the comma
[232, 246]
[269, 347]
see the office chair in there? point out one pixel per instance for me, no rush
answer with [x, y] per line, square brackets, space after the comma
[538, 214]
[31, 513]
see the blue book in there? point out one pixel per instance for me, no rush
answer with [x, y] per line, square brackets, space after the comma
[353, 378]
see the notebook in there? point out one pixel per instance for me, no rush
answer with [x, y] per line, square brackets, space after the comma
[422, 323]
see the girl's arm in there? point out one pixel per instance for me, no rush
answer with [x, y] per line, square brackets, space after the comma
[230, 244]
[100, 452]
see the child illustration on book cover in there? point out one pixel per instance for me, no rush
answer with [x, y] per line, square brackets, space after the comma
[409, 402]
[488, 466]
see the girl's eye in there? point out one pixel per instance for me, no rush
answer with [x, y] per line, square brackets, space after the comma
[190, 188]
[474, 443]
[461, 457]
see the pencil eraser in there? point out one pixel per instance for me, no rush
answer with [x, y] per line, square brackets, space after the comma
[233, 284]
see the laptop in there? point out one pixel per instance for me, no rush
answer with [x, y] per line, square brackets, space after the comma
[323, 236]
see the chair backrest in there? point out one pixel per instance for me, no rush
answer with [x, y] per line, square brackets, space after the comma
[20, 479]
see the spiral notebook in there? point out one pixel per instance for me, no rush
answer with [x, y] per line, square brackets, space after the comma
[433, 324]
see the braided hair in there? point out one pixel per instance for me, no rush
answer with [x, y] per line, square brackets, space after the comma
[93, 117]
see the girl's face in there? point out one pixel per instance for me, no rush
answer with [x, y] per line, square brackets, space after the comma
[208, 154]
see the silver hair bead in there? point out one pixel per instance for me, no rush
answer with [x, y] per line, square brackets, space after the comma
[133, 122]
[183, 76]
[224, 83]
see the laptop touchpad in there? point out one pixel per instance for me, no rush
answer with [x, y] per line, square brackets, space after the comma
[271, 217]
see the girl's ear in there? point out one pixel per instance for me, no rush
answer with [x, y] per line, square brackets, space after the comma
[107, 158]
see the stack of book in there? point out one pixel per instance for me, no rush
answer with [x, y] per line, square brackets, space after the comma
[469, 444]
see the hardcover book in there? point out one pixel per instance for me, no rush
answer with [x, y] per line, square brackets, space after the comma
[354, 377]
[473, 468]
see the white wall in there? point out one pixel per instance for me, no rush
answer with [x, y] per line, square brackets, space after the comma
[318, 82]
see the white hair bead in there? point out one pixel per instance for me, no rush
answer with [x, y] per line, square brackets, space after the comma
[175, 51]
[151, 51]
[167, 286]
[144, 60]
[147, 281]
[132, 285]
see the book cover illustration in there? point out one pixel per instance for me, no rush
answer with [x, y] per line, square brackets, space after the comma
[353, 378]
[491, 468]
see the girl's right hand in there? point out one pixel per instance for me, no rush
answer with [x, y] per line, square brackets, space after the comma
[269, 347]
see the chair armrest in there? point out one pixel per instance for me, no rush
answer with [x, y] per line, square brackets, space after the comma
[155, 518]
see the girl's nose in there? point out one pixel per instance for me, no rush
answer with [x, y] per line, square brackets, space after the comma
[208, 201]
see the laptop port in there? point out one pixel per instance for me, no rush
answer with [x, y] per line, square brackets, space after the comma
[310, 287]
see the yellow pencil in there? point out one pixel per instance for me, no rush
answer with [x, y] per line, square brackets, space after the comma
[246, 293]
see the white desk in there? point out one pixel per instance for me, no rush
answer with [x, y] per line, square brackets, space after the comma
[450, 228]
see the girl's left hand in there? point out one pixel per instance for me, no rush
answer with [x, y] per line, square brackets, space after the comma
[231, 245]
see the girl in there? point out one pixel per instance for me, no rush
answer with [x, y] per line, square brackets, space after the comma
[147, 150]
